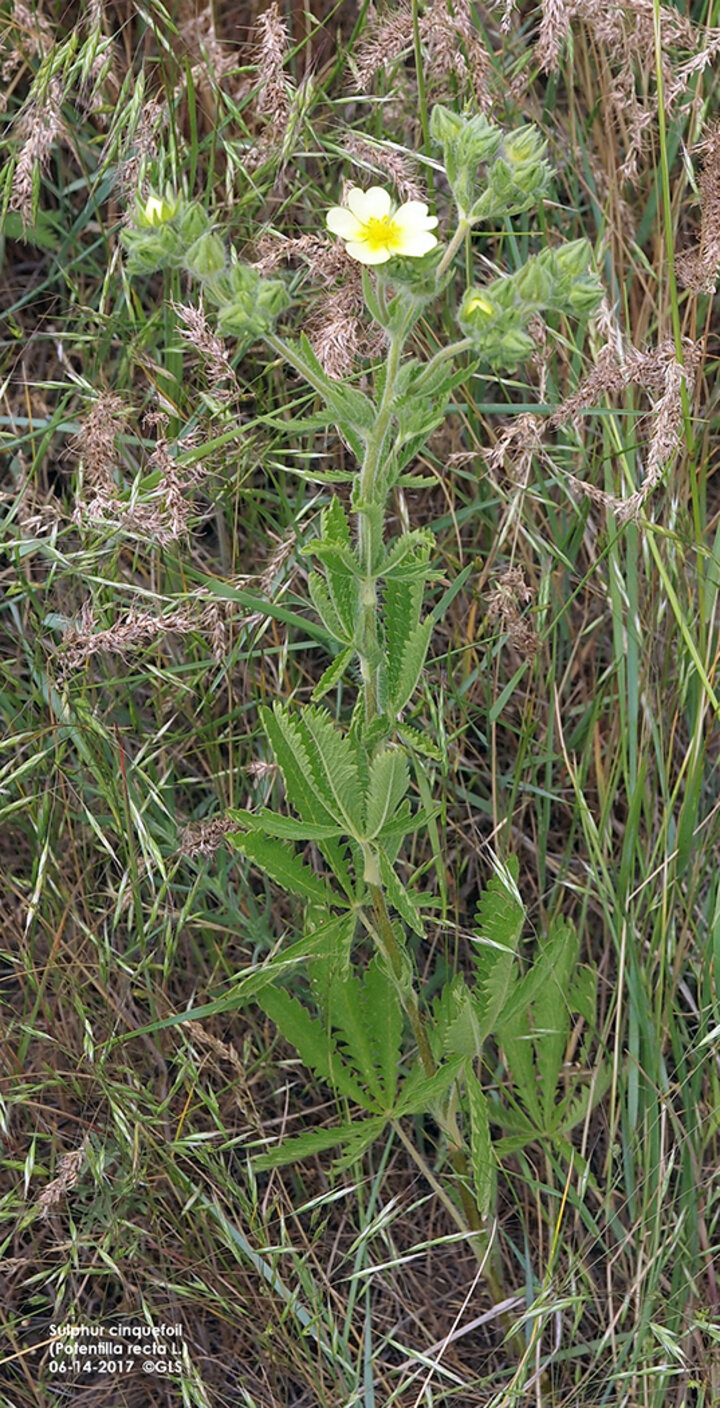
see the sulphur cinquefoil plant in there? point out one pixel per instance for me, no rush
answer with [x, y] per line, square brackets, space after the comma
[365, 1029]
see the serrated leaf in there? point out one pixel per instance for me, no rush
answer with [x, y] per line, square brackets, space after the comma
[368, 1018]
[399, 897]
[403, 601]
[389, 781]
[551, 1015]
[283, 827]
[420, 1093]
[292, 758]
[316, 1141]
[334, 522]
[311, 1040]
[410, 551]
[462, 1035]
[418, 741]
[482, 1157]
[498, 924]
[411, 665]
[334, 765]
[326, 609]
[282, 865]
[333, 673]
[404, 822]
[583, 994]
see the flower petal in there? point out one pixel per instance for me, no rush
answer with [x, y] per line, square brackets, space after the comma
[355, 201]
[415, 213]
[412, 244]
[377, 203]
[366, 255]
[342, 222]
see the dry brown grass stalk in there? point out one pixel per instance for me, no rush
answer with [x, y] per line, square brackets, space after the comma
[38, 127]
[657, 371]
[395, 165]
[698, 268]
[196, 331]
[272, 93]
[453, 46]
[625, 33]
[510, 592]
[335, 325]
[70, 1168]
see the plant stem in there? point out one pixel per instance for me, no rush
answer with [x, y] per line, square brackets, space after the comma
[368, 546]
[453, 247]
[453, 349]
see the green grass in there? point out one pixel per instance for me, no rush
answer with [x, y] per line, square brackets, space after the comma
[127, 965]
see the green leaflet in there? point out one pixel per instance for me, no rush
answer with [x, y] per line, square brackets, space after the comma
[498, 924]
[334, 765]
[389, 781]
[420, 1094]
[284, 866]
[367, 1016]
[291, 756]
[481, 1150]
[552, 1014]
[333, 674]
[335, 527]
[399, 897]
[312, 1042]
[315, 1141]
[283, 827]
[403, 601]
[326, 609]
[411, 664]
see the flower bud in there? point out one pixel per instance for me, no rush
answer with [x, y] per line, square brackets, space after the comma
[193, 223]
[586, 294]
[573, 257]
[149, 250]
[157, 210]
[206, 257]
[444, 124]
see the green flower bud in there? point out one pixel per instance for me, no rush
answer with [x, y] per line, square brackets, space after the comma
[149, 250]
[206, 257]
[156, 210]
[523, 146]
[515, 346]
[444, 124]
[478, 141]
[534, 284]
[477, 310]
[193, 223]
[573, 257]
[586, 294]
[273, 298]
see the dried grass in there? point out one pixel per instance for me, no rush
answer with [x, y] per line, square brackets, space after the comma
[698, 268]
[38, 128]
[626, 34]
[453, 47]
[510, 592]
[656, 371]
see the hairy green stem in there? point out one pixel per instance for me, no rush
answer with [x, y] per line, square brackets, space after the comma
[453, 247]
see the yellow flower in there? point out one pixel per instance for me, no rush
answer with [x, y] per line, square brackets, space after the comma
[158, 210]
[374, 232]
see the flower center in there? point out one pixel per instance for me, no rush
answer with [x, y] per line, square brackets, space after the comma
[379, 232]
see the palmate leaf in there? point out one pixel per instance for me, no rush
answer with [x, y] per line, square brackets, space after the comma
[282, 864]
[389, 781]
[312, 1041]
